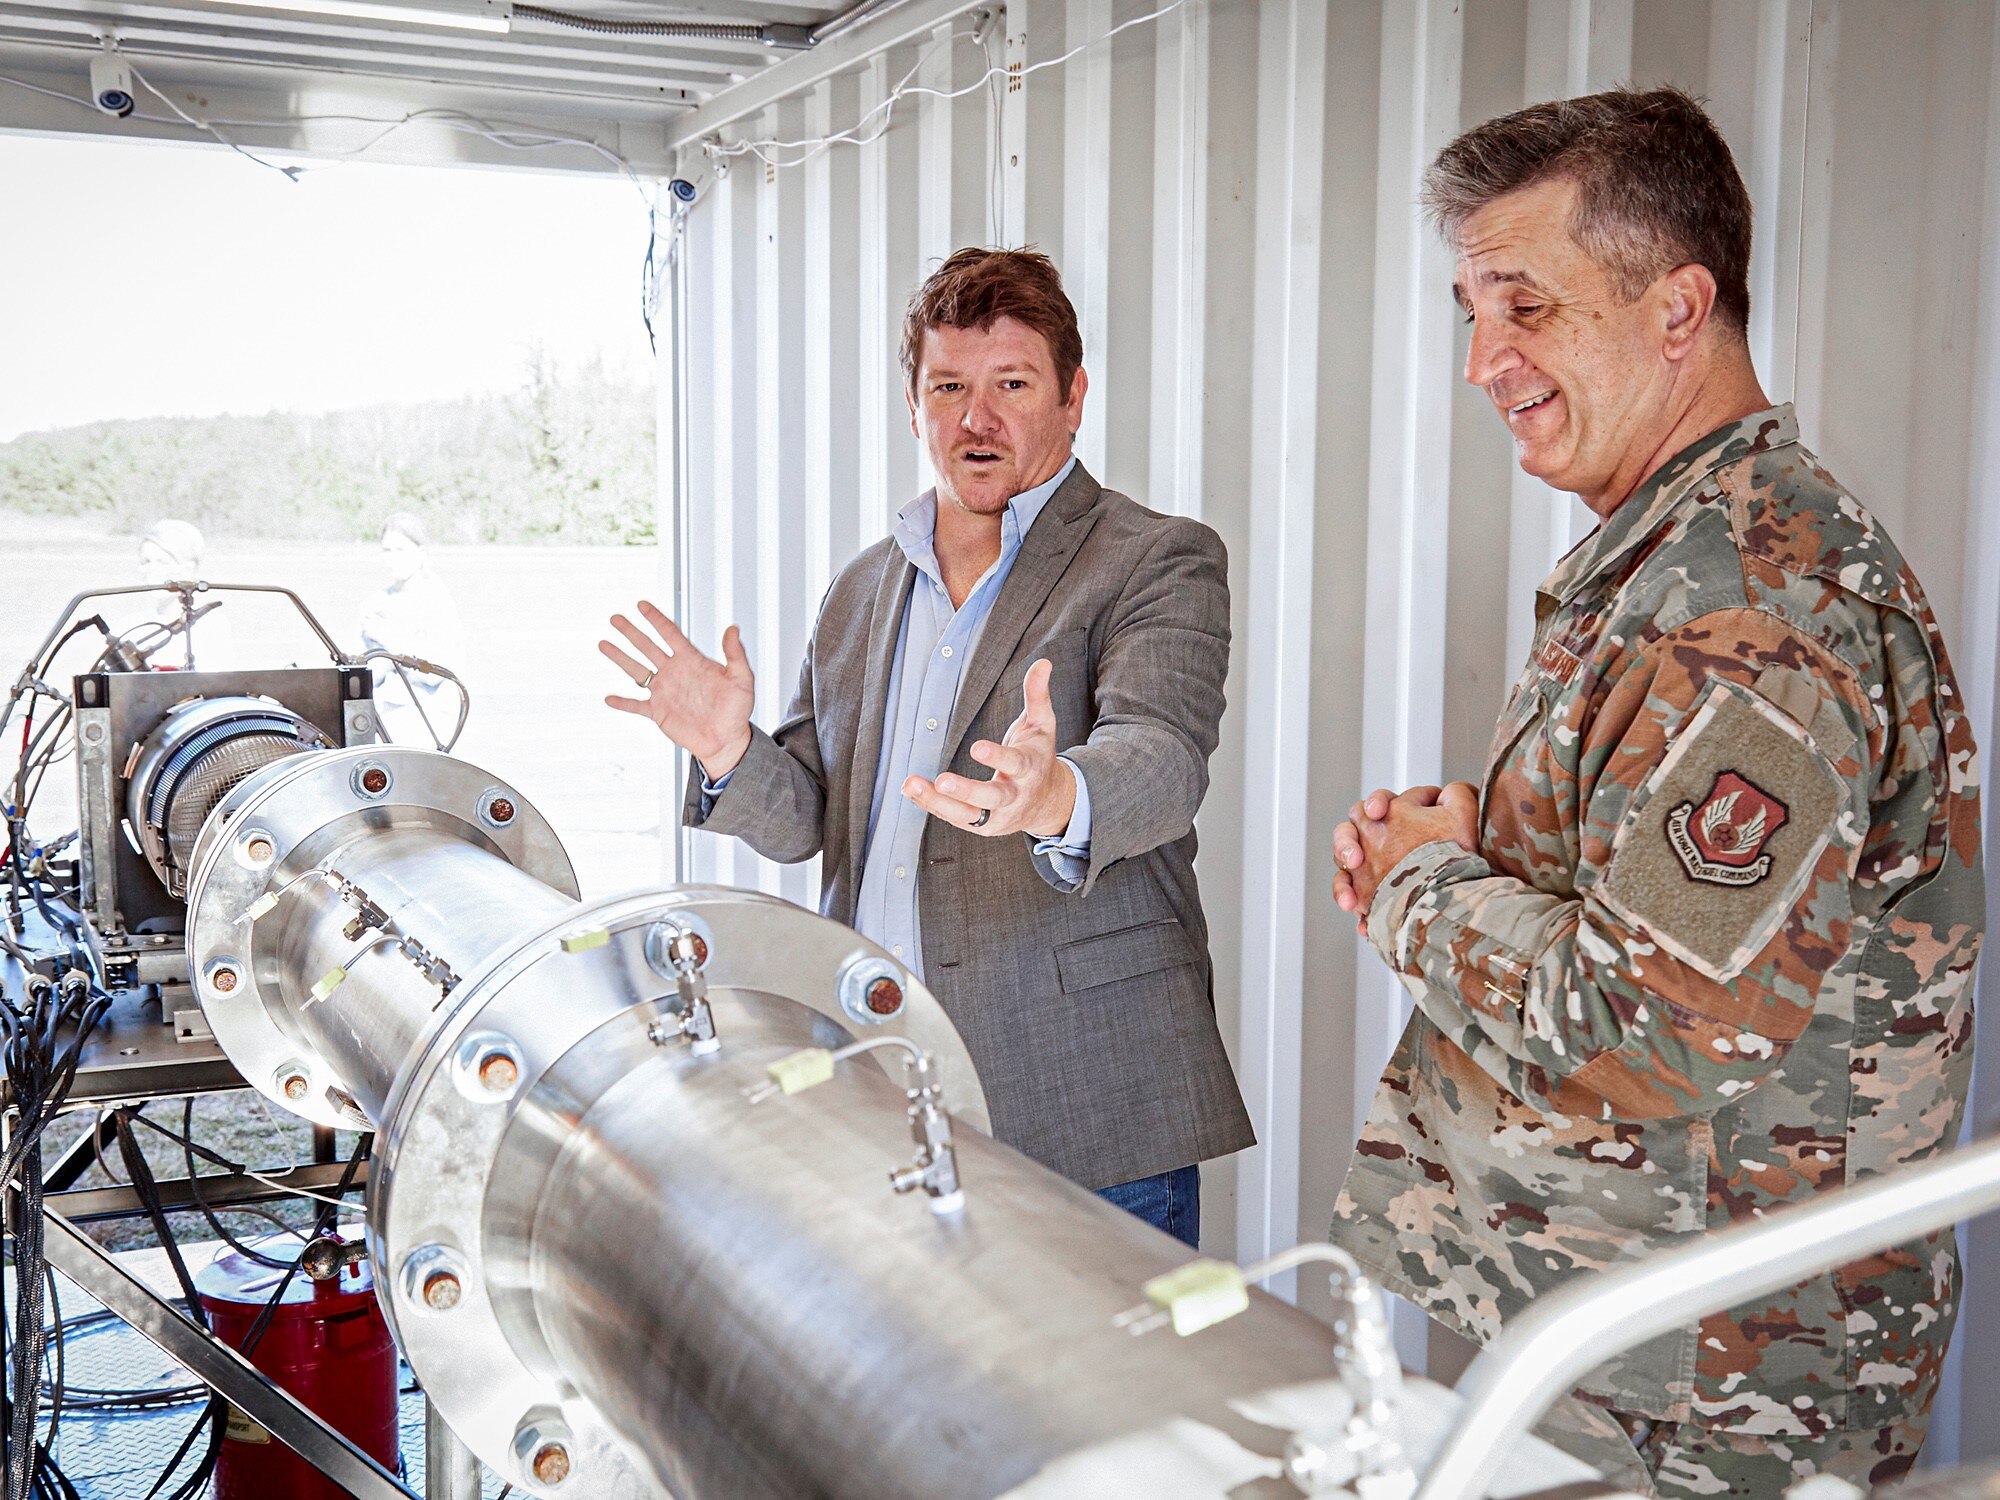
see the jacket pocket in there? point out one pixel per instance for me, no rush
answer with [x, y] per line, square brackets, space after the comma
[1124, 954]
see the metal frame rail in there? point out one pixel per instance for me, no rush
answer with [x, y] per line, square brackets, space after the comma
[216, 1365]
[211, 1361]
[1543, 1354]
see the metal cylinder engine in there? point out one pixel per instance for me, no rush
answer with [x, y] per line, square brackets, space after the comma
[617, 1273]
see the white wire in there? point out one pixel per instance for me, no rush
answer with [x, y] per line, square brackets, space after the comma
[905, 89]
[290, 174]
[508, 137]
[295, 1189]
[850, 136]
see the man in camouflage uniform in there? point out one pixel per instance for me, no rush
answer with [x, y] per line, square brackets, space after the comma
[1700, 945]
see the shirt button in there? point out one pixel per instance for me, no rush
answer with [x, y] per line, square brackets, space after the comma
[899, 872]
[897, 950]
[945, 651]
[930, 723]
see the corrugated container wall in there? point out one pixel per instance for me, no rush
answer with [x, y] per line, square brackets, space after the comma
[1229, 188]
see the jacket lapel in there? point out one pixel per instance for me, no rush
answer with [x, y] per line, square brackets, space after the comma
[1045, 552]
[884, 629]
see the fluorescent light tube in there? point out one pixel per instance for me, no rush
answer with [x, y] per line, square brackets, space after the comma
[467, 15]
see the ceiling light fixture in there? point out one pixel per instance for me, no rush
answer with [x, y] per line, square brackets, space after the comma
[466, 15]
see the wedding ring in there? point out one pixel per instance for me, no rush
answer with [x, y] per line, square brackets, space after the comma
[647, 681]
[980, 821]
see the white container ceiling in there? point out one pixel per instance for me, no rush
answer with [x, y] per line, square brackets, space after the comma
[323, 76]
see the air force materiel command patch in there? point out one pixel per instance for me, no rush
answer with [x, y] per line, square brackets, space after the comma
[1709, 863]
[1722, 838]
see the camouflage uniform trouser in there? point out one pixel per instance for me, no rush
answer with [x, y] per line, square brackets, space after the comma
[1689, 1462]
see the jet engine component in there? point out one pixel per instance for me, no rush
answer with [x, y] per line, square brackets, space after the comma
[613, 1272]
[195, 754]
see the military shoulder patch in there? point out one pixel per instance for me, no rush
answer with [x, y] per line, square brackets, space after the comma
[1720, 841]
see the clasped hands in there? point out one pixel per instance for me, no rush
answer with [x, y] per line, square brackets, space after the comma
[703, 705]
[1383, 827]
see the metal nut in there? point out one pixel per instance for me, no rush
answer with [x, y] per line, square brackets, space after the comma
[550, 1464]
[870, 989]
[498, 1072]
[433, 1278]
[441, 1291]
[665, 935]
[885, 997]
[371, 779]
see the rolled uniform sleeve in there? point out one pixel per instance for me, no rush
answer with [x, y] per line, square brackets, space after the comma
[1715, 846]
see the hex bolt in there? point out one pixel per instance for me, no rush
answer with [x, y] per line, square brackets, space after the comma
[498, 1073]
[374, 781]
[700, 948]
[223, 980]
[550, 1465]
[441, 1291]
[501, 810]
[885, 997]
[295, 1085]
[259, 849]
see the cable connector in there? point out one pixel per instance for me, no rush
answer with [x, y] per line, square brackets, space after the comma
[935, 1165]
[1364, 1457]
[1190, 1298]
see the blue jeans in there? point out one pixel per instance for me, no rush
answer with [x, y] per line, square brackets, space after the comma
[1170, 1201]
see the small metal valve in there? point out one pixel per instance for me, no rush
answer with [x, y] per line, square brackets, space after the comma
[935, 1168]
[686, 955]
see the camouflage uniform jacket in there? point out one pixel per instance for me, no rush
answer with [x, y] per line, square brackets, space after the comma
[1714, 953]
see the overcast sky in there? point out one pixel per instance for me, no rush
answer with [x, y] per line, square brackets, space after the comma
[141, 279]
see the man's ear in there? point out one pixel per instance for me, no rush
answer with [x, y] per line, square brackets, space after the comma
[910, 400]
[1079, 383]
[1687, 301]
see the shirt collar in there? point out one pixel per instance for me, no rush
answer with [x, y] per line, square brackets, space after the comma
[916, 523]
[1654, 501]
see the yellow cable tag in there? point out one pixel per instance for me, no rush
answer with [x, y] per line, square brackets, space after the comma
[261, 905]
[330, 981]
[1199, 1294]
[583, 942]
[802, 1070]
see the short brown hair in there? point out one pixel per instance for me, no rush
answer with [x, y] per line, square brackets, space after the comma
[975, 288]
[1656, 185]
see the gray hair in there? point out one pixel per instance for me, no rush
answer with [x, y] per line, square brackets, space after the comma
[1656, 186]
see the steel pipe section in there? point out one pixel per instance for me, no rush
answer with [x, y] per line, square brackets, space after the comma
[616, 1274]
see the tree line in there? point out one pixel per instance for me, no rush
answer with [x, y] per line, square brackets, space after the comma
[566, 457]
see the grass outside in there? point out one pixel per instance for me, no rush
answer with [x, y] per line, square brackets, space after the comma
[240, 1125]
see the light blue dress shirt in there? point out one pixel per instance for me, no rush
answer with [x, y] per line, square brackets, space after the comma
[934, 644]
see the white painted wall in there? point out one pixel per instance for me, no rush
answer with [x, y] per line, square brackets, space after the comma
[1229, 191]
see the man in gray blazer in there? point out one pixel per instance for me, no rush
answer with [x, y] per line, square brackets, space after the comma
[999, 742]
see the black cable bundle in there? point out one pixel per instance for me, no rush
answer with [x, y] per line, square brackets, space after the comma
[141, 1173]
[41, 1065]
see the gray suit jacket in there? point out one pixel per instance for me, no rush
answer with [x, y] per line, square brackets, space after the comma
[1090, 1014]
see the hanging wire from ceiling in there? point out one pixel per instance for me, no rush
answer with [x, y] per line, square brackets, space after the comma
[861, 133]
[290, 174]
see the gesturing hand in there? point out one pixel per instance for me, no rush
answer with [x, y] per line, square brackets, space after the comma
[1382, 828]
[701, 704]
[1030, 792]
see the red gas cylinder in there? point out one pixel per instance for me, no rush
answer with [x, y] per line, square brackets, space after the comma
[328, 1345]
